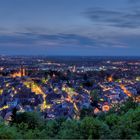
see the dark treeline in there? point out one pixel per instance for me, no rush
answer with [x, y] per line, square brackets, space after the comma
[121, 122]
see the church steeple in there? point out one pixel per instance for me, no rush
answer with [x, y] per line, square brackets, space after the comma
[22, 71]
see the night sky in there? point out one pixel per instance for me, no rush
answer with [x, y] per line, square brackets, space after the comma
[70, 27]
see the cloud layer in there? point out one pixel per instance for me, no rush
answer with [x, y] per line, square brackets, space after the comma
[116, 18]
[91, 27]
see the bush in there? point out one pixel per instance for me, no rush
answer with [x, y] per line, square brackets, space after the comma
[7, 132]
[70, 130]
[93, 128]
[124, 124]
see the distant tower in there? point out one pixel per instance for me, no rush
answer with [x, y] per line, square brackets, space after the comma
[74, 68]
[22, 71]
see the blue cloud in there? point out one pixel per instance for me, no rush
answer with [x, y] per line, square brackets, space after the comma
[115, 18]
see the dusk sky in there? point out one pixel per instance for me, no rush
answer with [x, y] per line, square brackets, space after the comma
[70, 27]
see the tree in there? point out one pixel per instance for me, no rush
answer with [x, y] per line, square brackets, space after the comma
[94, 95]
[70, 130]
[31, 119]
[86, 112]
[13, 116]
[128, 126]
[129, 104]
[111, 120]
[51, 129]
[7, 132]
[92, 128]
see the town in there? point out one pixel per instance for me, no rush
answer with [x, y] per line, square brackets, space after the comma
[63, 86]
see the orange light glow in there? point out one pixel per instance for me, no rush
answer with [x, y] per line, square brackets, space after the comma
[106, 108]
[110, 79]
[96, 111]
[20, 73]
[128, 93]
[38, 90]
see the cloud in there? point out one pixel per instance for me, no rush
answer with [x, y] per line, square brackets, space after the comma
[45, 39]
[60, 40]
[3, 29]
[133, 1]
[116, 18]
[37, 43]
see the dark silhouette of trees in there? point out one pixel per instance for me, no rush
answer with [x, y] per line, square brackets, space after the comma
[122, 122]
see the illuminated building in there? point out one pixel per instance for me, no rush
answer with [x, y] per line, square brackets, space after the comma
[110, 79]
[105, 108]
[20, 73]
[74, 69]
[96, 111]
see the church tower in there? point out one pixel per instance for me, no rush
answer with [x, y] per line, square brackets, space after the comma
[22, 71]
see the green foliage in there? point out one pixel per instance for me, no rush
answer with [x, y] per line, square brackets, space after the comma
[51, 128]
[129, 104]
[92, 128]
[111, 120]
[122, 122]
[128, 126]
[70, 130]
[86, 112]
[7, 132]
[94, 95]
[30, 119]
